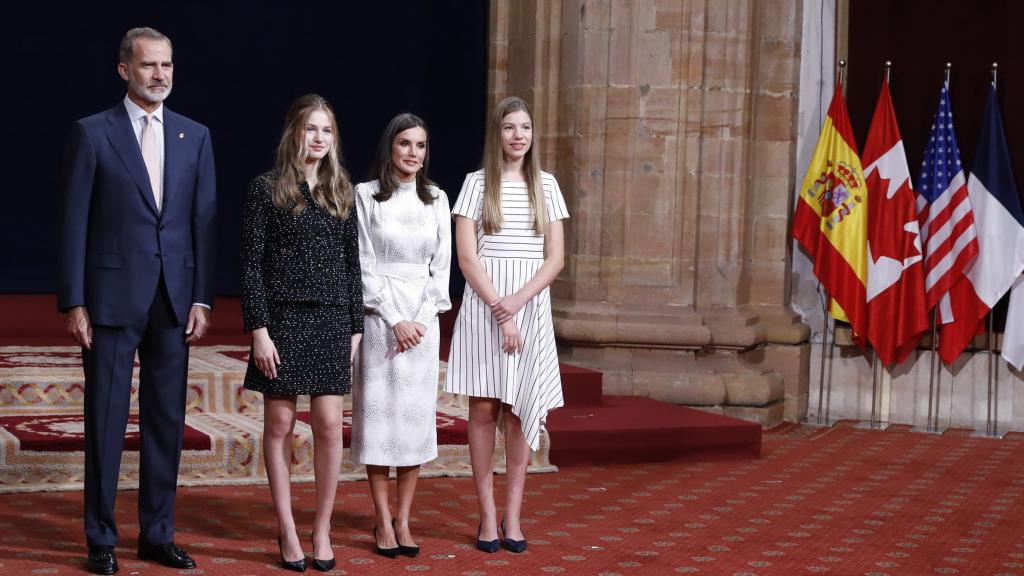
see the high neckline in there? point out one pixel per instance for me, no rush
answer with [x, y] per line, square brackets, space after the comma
[407, 186]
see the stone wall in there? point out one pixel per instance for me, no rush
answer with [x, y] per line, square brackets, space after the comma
[670, 126]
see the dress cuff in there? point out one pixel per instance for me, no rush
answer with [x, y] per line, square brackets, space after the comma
[390, 314]
[426, 313]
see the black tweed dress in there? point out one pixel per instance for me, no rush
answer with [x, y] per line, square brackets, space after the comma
[301, 280]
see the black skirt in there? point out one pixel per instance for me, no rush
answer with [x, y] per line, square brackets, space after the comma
[314, 342]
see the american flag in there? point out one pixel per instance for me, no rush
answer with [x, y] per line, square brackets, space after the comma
[944, 212]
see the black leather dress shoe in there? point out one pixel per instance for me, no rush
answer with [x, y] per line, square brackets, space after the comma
[166, 554]
[101, 560]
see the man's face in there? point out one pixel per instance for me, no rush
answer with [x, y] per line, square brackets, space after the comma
[149, 72]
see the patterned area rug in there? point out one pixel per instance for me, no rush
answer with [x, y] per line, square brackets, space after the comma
[41, 393]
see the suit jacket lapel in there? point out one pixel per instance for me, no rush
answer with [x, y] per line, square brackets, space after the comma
[174, 148]
[122, 137]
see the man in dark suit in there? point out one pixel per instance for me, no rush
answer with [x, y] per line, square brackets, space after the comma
[136, 274]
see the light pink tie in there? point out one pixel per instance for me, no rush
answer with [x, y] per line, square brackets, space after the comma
[151, 155]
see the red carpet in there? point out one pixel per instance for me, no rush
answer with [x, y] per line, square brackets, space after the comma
[632, 429]
[837, 501]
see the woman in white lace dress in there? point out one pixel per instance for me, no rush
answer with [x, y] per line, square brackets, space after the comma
[405, 253]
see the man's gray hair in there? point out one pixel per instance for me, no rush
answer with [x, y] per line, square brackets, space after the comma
[128, 42]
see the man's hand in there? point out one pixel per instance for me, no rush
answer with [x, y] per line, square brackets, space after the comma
[76, 324]
[198, 323]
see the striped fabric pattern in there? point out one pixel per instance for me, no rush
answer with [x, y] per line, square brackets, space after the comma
[528, 382]
[944, 212]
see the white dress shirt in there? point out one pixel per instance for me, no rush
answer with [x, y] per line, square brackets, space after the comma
[137, 117]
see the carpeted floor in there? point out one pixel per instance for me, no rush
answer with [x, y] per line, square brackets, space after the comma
[836, 501]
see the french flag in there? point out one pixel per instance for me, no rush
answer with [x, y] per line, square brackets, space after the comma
[999, 221]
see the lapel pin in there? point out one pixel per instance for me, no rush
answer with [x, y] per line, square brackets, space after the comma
[181, 135]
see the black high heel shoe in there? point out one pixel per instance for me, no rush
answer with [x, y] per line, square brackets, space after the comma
[323, 565]
[489, 546]
[516, 546]
[410, 551]
[293, 565]
[386, 552]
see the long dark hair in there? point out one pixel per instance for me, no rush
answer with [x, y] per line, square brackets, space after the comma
[334, 191]
[384, 168]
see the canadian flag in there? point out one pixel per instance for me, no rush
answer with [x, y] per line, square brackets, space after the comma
[896, 305]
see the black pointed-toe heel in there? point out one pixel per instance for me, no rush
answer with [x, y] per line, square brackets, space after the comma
[489, 546]
[293, 565]
[410, 551]
[385, 552]
[323, 565]
[516, 546]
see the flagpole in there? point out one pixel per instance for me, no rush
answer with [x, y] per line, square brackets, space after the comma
[875, 384]
[824, 347]
[828, 397]
[990, 428]
[993, 377]
[823, 409]
[935, 371]
[931, 371]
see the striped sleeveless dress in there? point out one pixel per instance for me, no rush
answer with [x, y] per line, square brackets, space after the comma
[527, 381]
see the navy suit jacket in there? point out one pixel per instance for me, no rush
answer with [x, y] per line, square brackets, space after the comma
[115, 245]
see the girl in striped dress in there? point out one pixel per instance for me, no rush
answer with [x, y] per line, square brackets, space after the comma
[509, 238]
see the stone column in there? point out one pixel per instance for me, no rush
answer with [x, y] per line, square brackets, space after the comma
[670, 127]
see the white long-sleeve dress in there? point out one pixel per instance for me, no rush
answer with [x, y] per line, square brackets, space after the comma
[529, 381]
[405, 255]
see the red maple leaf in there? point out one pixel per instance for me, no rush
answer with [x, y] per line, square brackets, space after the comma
[887, 218]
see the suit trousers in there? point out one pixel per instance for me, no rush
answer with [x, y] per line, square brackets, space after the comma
[163, 370]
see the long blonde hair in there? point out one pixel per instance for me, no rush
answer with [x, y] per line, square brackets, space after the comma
[494, 160]
[334, 189]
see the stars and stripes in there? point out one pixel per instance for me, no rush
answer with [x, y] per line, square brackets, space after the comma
[944, 213]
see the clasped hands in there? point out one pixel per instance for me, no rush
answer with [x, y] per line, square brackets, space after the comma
[504, 309]
[408, 335]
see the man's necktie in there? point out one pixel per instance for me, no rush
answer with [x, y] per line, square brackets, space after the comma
[151, 155]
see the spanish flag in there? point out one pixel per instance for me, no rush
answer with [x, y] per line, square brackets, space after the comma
[831, 220]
